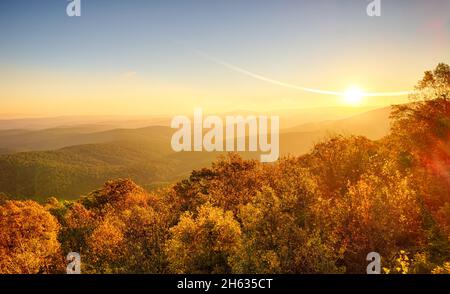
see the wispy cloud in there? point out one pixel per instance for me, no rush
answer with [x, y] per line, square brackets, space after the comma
[128, 74]
[243, 71]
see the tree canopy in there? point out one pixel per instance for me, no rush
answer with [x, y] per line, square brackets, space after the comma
[322, 212]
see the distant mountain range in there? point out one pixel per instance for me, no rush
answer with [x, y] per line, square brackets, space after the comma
[103, 122]
[289, 117]
[373, 124]
[80, 158]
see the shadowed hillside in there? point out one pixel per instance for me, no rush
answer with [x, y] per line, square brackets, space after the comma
[143, 155]
[373, 124]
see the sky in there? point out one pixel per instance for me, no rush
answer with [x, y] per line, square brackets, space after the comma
[159, 57]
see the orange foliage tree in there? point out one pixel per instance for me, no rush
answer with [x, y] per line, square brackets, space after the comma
[28, 239]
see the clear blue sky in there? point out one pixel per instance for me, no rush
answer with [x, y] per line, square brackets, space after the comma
[317, 43]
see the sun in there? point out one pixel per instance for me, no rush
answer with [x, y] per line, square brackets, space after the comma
[353, 96]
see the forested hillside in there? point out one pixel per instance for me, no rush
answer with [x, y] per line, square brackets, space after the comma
[72, 171]
[143, 155]
[322, 212]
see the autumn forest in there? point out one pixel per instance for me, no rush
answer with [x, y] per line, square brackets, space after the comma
[321, 212]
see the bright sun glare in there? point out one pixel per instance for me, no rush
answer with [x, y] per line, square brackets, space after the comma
[353, 96]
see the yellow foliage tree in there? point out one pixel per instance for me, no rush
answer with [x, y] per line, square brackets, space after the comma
[28, 239]
[204, 243]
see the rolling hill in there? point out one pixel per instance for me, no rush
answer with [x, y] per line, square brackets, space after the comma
[373, 124]
[143, 154]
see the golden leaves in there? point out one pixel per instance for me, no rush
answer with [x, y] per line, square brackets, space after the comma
[28, 237]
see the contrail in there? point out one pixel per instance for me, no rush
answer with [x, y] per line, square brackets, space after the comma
[292, 86]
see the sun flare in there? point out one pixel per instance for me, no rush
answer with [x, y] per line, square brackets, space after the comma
[353, 96]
